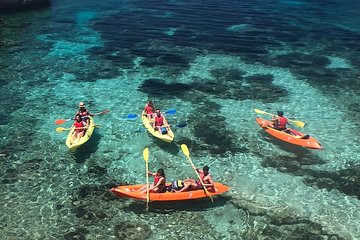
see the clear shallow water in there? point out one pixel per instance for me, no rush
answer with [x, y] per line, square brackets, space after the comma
[214, 63]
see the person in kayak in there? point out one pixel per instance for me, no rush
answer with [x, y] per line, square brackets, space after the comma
[79, 128]
[149, 109]
[191, 184]
[160, 124]
[84, 113]
[280, 122]
[159, 184]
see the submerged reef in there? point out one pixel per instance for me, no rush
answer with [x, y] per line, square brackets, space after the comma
[19, 5]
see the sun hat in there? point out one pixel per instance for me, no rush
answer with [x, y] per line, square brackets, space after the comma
[81, 104]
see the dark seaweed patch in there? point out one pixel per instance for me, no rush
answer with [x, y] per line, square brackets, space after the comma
[10, 176]
[280, 225]
[78, 234]
[87, 213]
[230, 84]
[97, 171]
[300, 60]
[132, 230]
[346, 181]
[213, 131]
[4, 119]
[157, 87]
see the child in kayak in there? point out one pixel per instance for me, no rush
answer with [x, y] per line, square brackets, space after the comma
[149, 109]
[79, 128]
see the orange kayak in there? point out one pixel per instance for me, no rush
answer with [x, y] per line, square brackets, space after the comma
[308, 142]
[130, 191]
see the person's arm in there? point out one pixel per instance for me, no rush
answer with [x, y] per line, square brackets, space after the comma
[158, 183]
[90, 114]
[210, 180]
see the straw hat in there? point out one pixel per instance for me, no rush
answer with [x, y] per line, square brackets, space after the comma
[81, 104]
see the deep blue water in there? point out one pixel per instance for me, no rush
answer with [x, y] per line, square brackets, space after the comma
[214, 62]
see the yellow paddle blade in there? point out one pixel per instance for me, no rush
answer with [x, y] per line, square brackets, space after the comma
[60, 129]
[146, 154]
[185, 150]
[262, 112]
[297, 123]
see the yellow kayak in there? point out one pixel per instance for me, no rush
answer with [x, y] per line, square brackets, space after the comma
[169, 137]
[77, 143]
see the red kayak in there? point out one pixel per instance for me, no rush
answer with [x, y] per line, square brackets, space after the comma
[130, 191]
[299, 139]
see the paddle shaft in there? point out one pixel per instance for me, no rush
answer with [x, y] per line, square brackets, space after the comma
[296, 122]
[62, 121]
[146, 158]
[147, 186]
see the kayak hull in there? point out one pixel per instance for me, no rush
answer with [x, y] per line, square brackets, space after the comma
[74, 145]
[283, 136]
[130, 192]
[169, 137]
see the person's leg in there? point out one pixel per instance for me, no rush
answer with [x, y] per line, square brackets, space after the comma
[158, 128]
[73, 137]
[144, 188]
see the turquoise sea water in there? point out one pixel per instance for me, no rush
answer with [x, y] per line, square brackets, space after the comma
[214, 62]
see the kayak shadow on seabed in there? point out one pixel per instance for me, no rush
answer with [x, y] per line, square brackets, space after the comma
[84, 151]
[176, 206]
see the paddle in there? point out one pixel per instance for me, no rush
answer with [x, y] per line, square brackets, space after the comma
[186, 152]
[133, 116]
[61, 129]
[146, 158]
[62, 121]
[297, 123]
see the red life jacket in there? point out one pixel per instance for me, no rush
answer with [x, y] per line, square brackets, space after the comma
[149, 110]
[159, 121]
[282, 121]
[78, 125]
[157, 179]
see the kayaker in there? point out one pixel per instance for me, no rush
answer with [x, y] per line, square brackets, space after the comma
[159, 184]
[79, 128]
[84, 113]
[280, 122]
[191, 184]
[149, 109]
[160, 124]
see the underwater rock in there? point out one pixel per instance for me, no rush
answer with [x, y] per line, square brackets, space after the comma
[132, 230]
[78, 234]
[158, 87]
[22, 4]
